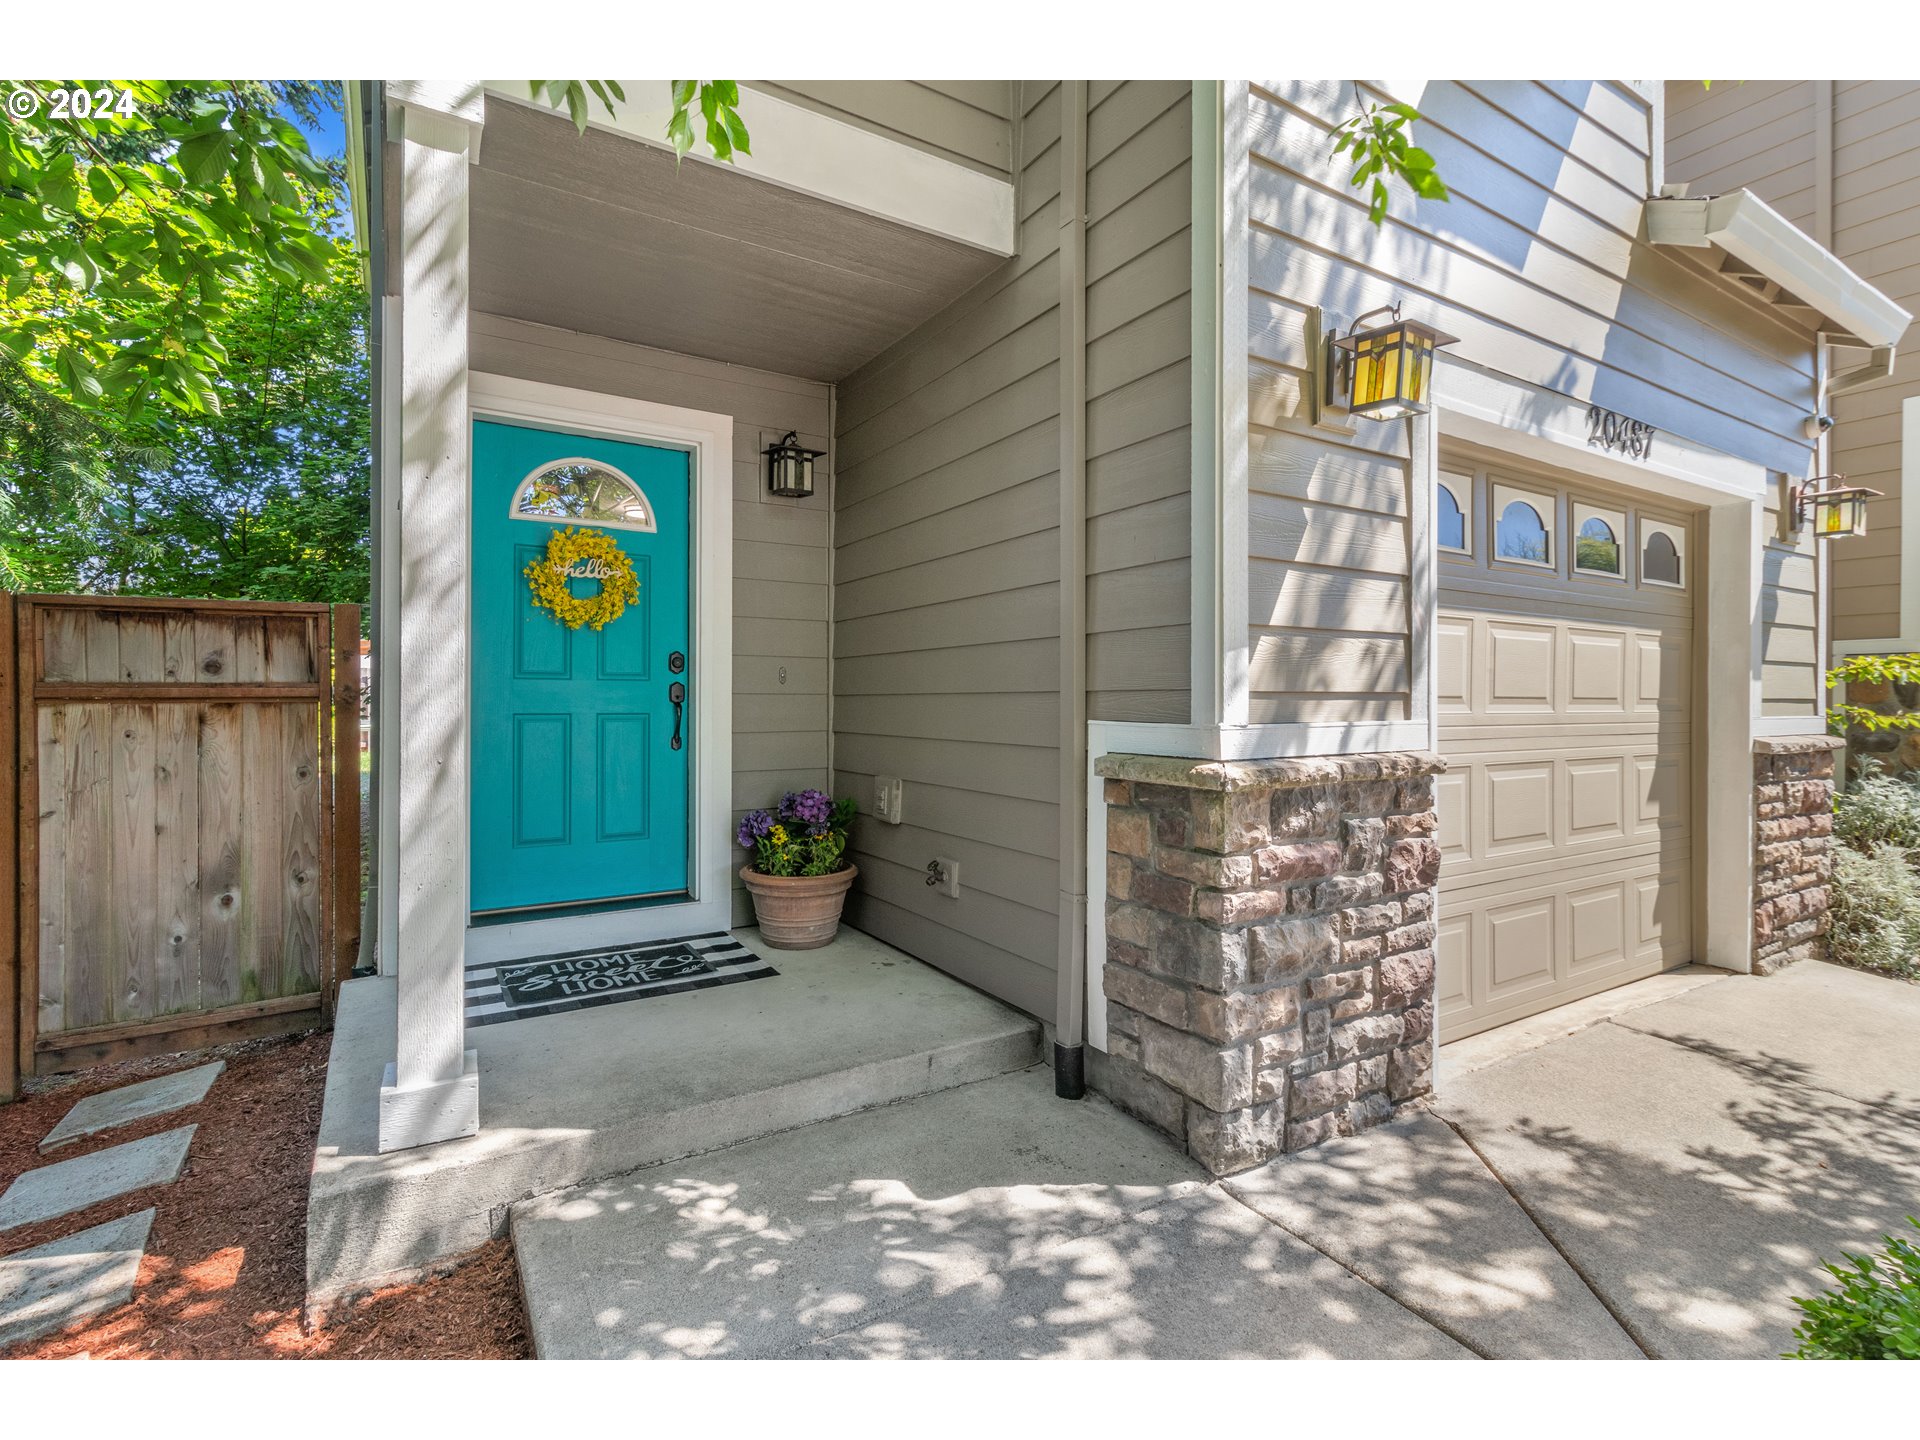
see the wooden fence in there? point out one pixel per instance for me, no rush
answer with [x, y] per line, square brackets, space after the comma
[180, 840]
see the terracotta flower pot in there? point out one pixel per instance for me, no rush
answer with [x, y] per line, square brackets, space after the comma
[798, 912]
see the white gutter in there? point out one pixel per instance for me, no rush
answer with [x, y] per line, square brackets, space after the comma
[1753, 232]
[356, 139]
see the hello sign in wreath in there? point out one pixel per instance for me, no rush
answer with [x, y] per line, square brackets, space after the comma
[582, 554]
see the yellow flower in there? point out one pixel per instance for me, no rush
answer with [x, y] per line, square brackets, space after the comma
[547, 578]
[778, 834]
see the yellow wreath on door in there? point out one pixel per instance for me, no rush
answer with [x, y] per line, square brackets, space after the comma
[597, 551]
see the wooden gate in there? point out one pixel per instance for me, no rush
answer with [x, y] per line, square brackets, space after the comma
[185, 837]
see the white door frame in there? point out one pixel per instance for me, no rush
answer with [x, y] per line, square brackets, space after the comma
[708, 440]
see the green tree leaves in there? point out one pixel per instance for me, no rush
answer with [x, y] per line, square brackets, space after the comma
[261, 492]
[717, 102]
[1852, 718]
[122, 233]
[1378, 140]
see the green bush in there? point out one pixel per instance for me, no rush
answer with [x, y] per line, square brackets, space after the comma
[1878, 810]
[1875, 914]
[1873, 1313]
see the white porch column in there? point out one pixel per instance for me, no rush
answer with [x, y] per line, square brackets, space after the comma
[432, 1089]
[1730, 637]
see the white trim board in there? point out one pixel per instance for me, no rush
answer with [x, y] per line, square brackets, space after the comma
[1217, 602]
[708, 438]
[802, 150]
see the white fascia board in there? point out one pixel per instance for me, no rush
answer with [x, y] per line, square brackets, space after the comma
[803, 150]
[1750, 230]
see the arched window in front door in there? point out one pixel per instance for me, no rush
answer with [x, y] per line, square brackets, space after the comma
[582, 492]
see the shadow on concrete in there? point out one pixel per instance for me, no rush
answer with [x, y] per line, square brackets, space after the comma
[1696, 1183]
[989, 1221]
[1412, 1209]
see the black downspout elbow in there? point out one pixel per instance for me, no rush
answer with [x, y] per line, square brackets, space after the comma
[1070, 1071]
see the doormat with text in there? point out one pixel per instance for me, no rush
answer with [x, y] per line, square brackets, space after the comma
[551, 984]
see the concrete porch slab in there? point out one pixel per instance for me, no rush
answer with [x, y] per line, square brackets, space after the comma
[580, 1096]
[1409, 1207]
[1823, 1025]
[1697, 1192]
[50, 1286]
[112, 1108]
[991, 1220]
[69, 1185]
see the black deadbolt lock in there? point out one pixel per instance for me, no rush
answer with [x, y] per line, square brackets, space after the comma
[676, 662]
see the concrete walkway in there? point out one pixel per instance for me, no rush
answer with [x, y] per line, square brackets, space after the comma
[992, 1220]
[1660, 1181]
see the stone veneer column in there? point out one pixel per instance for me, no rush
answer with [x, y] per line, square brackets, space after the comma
[1793, 849]
[1269, 968]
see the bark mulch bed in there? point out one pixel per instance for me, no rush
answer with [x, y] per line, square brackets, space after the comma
[225, 1270]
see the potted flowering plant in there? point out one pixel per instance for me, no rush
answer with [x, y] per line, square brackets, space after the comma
[799, 873]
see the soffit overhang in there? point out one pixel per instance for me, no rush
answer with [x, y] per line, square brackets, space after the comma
[1764, 252]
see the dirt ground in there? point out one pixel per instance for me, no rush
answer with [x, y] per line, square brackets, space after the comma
[225, 1268]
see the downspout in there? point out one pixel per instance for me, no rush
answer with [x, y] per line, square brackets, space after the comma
[367, 130]
[1070, 1022]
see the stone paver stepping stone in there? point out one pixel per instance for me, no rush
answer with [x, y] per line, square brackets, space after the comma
[52, 1285]
[133, 1102]
[69, 1185]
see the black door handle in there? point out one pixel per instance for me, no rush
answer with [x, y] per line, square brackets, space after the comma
[677, 693]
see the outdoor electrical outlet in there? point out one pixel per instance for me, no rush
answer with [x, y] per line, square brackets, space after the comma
[946, 873]
[886, 798]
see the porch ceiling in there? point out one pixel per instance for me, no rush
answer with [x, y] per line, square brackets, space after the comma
[602, 234]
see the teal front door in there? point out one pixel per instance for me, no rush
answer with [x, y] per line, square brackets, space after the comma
[581, 737]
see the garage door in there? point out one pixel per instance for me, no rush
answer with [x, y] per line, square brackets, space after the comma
[1564, 681]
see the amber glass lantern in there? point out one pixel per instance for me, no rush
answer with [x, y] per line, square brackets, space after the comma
[1385, 371]
[1831, 507]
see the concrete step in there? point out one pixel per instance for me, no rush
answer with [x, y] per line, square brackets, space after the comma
[991, 1220]
[576, 1097]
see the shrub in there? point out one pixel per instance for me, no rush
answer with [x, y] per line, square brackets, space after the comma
[1872, 1314]
[1878, 810]
[1875, 913]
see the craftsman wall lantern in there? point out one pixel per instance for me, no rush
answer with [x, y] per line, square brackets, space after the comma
[790, 467]
[1830, 506]
[1385, 372]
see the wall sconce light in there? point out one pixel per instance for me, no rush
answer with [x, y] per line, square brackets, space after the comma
[1831, 506]
[1385, 372]
[790, 467]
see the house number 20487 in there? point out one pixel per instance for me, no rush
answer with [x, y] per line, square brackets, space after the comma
[1632, 438]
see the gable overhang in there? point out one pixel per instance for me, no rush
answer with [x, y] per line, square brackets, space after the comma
[1764, 251]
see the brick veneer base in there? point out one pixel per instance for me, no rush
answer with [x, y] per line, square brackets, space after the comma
[1269, 968]
[1793, 850]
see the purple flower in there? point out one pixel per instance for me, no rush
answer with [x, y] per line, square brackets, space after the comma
[754, 825]
[812, 808]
